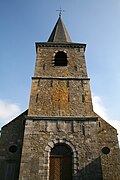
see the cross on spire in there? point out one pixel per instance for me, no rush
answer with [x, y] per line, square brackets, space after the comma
[60, 11]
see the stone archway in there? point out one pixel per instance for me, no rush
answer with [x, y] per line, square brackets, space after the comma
[60, 162]
[47, 154]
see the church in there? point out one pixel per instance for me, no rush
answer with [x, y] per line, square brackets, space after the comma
[59, 136]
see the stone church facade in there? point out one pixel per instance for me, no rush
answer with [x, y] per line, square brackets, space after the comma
[59, 137]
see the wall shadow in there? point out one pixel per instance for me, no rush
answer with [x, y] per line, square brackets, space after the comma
[92, 171]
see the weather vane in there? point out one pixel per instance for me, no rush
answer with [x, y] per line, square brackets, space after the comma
[60, 11]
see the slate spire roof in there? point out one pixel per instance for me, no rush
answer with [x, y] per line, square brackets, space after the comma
[59, 33]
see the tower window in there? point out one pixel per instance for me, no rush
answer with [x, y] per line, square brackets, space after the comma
[61, 59]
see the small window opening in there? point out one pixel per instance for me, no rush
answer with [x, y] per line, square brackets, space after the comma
[61, 59]
[38, 82]
[43, 66]
[83, 130]
[82, 83]
[37, 98]
[13, 148]
[99, 124]
[51, 83]
[67, 83]
[83, 98]
[75, 68]
[105, 150]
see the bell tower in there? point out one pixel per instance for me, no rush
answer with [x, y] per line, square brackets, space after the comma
[62, 137]
[60, 86]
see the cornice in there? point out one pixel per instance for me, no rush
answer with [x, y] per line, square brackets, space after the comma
[53, 44]
[61, 78]
[62, 118]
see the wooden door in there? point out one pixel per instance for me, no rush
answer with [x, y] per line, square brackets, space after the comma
[60, 165]
[55, 168]
[66, 168]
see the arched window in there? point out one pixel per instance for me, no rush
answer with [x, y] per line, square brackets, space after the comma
[61, 59]
[61, 162]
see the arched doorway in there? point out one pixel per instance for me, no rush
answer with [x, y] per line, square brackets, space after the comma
[61, 162]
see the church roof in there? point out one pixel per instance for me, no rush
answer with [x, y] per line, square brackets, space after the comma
[59, 33]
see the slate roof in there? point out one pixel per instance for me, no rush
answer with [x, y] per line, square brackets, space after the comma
[59, 33]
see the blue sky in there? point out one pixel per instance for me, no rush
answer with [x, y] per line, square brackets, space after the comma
[94, 22]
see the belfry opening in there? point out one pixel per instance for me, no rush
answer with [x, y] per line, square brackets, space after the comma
[60, 59]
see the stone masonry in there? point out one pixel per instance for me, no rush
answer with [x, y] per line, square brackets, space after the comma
[60, 137]
[61, 112]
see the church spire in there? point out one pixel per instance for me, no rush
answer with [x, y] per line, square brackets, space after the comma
[59, 33]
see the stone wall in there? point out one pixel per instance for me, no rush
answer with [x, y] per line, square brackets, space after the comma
[11, 147]
[60, 90]
[45, 57]
[60, 97]
[109, 150]
[40, 137]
